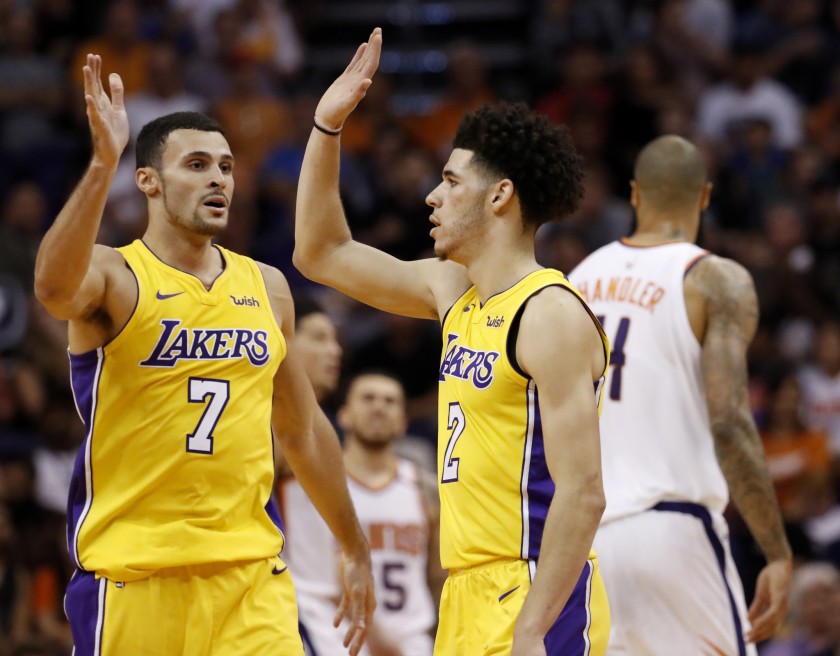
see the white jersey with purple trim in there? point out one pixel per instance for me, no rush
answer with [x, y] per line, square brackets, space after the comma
[396, 523]
[656, 437]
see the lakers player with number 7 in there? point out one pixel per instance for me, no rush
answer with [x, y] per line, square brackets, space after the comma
[523, 360]
[180, 370]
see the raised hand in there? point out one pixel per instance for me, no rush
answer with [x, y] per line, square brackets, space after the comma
[358, 602]
[351, 86]
[106, 116]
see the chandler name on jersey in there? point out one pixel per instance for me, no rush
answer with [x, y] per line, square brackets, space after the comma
[177, 465]
[495, 486]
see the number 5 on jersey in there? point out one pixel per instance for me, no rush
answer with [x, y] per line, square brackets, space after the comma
[455, 423]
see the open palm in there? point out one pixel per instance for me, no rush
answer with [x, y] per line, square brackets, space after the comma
[106, 116]
[350, 87]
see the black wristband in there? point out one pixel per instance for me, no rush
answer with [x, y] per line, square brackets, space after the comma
[327, 131]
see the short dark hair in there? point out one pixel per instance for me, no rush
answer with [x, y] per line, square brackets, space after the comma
[304, 306]
[153, 136]
[508, 140]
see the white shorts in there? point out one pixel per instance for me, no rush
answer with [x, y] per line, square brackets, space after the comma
[672, 585]
[321, 638]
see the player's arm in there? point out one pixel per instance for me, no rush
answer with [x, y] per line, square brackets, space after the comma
[556, 328]
[435, 574]
[311, 447]
[71, 276]
[324, 248]
[731, 316]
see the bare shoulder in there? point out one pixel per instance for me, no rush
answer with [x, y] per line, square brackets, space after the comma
[726, 289]
[447, 280]
[556, 324]
[280, 297]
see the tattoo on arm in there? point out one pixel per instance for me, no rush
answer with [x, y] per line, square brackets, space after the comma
[731, 320]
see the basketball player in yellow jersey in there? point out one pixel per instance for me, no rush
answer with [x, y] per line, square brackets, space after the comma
[522, 364]
[180, 372]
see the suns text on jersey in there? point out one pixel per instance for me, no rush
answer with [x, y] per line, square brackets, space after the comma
[623, 289]
[467, 364]
[176, 343]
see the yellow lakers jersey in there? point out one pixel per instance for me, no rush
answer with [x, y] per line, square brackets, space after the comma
[177, 465]
[495, 487]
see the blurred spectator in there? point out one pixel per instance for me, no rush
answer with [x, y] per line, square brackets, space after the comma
[693, 36]
[601, 217]
[749, 94]
[814, 614]
[582, 91]
[14, 584]
[122, 49]
[32, 87]
[820, 381]
[210, 71]
[753, 174]
[798, 458]
[21, 227]
[467, 88]
[270, 37]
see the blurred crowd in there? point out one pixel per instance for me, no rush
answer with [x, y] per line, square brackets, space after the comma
[755, 82]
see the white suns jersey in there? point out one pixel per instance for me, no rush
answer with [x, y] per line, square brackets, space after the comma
[395, 521]
[656, 440]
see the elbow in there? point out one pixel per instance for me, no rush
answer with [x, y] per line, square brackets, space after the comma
[302, 260]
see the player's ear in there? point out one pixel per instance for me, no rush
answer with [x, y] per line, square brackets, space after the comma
[706, 197]
[148, 181]
[502, 194]
[634, 194]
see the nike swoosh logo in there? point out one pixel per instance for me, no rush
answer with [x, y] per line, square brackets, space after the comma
[509, 592]
[163, 297]
[276, 571]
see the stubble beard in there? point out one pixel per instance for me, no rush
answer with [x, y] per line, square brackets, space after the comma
[197, 225]
[473, 217]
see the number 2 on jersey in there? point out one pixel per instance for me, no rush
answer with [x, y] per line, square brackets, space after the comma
[199, 391]
[455, 423]
[617, 357]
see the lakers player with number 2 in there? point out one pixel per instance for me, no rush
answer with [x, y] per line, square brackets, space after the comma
[180, 370]
[677, 429]
[521, 369]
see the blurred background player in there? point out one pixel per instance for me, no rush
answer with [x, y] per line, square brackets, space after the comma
[677, 428]
[398, 507]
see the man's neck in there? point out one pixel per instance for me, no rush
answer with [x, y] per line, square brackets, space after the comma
[192, 254]
[497, 270]
[374, 467]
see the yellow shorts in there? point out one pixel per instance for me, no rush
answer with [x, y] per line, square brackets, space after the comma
[240, 609]
[479, 607]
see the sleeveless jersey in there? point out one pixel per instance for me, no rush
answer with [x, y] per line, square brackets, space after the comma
[395, 521]
[177, 465]
[495, 488]
[656, 440]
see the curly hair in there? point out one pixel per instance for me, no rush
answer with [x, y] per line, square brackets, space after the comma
[509, 140]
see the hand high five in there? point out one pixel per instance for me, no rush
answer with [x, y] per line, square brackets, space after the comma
[350, 87]
[106, 116]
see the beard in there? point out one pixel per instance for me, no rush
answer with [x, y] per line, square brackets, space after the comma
[373, 442]
[473, 217]
[197, 224]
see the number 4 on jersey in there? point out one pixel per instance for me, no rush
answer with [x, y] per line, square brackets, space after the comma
[617, 357]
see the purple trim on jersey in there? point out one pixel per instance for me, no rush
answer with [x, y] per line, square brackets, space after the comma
[84, 380]
[273, 511]
[84, 605]
[540, 485]
[694, 262]
[569, 635]
[702, 513]
[309, 648]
